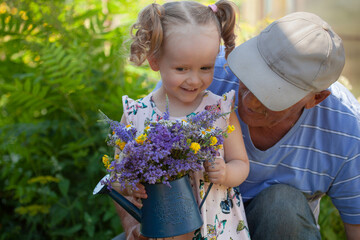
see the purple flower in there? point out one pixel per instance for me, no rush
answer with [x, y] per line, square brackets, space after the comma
[164, 154]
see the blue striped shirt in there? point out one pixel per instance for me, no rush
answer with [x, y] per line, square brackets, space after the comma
[319, 155]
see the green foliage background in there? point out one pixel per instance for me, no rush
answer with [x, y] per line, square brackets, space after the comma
[61, 61]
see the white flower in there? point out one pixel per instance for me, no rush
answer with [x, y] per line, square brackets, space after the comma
[129, 126]
[184, 122]
[166, 123]
[204, 132]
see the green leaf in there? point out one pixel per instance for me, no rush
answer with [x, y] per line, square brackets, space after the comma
[89, 224]
[108, 215]
[64, 187]
[59, 214]
[69, 231]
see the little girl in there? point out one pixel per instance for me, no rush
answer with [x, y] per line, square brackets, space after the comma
[181, 40]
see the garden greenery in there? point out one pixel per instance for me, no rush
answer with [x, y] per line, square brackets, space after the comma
[61, 61]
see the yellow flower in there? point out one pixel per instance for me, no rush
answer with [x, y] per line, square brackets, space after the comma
[43, 179]
[7, 19]
[128, 127]
[120, 144]
[141, 139]
[147, 128]
[13, 11]
[230, 129]
[3, 7]
[23, 15]
[52, 38]
[213, 141]
[220, 146]
[195, 147]
[117, 156]
[33, 210]
[106, 161]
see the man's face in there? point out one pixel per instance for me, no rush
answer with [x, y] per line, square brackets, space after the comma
[255, 114]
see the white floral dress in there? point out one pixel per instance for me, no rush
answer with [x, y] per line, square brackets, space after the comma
[223, 210]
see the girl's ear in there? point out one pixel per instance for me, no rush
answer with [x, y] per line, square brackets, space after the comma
[153, 62]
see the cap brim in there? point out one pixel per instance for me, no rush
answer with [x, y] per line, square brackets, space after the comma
[274, 92]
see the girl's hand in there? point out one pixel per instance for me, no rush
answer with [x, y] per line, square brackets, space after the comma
[137, 194]
[216, 170]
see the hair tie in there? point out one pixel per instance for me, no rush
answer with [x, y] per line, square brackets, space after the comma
[213, 7]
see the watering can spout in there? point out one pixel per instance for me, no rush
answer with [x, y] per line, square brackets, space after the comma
[122, 201]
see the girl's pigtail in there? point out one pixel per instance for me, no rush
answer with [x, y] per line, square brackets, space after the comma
[149, 34]
[226, 14]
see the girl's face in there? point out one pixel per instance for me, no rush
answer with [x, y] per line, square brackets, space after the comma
[186, 62]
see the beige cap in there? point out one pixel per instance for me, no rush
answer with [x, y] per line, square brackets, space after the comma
[293, 56]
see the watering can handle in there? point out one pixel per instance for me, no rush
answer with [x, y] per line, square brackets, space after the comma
[206, 194]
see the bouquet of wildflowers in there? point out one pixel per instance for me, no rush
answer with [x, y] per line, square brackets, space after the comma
[166, 150]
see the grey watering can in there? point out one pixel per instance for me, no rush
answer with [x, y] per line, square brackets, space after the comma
[167, 212]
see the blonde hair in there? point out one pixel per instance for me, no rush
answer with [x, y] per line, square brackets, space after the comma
[155, 20]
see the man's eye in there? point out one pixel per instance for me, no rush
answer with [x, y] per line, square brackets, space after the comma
[180, 69]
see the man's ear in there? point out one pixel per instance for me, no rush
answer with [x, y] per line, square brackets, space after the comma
[317, 98]
[154, 63]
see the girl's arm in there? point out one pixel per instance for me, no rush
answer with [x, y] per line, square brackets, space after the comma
[237, 162]
[235, 169]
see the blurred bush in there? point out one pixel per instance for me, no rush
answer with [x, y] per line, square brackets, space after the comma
[60, 61]
[331, 226]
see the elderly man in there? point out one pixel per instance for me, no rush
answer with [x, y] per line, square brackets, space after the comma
[301, 131]
[301, 128]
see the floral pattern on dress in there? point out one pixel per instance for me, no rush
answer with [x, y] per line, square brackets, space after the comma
[133, 108]
[213, 231]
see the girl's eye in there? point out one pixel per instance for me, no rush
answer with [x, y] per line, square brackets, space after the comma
[180, 69]
[205, 68]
